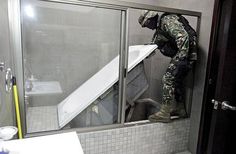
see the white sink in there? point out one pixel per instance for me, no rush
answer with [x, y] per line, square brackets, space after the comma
[44, 88]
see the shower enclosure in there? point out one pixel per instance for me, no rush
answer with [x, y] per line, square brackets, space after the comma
[75, 67]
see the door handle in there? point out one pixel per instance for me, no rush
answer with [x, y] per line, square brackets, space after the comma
[225, 106]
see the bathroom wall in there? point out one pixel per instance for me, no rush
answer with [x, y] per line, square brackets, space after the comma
[6, 109]
[206, 7]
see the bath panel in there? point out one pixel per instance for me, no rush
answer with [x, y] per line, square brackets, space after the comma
[94, 87]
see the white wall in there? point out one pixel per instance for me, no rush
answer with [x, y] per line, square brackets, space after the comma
[206, 7]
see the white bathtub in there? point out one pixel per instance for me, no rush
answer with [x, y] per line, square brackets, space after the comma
[100, 82]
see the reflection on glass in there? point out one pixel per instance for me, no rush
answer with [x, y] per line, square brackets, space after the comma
[65, 49]
[29, 11]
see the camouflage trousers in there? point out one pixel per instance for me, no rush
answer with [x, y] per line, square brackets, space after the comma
[173, 87]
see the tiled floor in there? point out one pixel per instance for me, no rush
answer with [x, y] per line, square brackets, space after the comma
[43, 118]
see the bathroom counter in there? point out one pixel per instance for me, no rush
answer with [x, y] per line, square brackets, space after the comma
[51, 144]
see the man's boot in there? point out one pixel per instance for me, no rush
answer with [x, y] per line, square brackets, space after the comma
[164, 115]
[179, 112]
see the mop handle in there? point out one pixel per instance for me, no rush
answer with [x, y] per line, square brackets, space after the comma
[18, 118]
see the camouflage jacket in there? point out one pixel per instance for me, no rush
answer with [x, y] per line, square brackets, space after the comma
[173, 40]
[174, 36]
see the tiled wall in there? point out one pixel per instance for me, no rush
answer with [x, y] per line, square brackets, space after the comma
[153, 138]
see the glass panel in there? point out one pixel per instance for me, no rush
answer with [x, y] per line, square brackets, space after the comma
[6, 109]
[144, 88]
[71, 65]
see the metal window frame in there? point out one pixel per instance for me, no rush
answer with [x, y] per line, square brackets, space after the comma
[16, 52]
[14, 11]
[123, 4]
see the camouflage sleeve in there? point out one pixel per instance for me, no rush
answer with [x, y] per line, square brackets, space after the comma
[176, 30]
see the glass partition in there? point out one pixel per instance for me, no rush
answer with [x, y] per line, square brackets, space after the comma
[71, 65]
[6, 108]
[74, 65]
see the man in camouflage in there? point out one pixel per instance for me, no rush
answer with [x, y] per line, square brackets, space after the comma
[174, 40]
